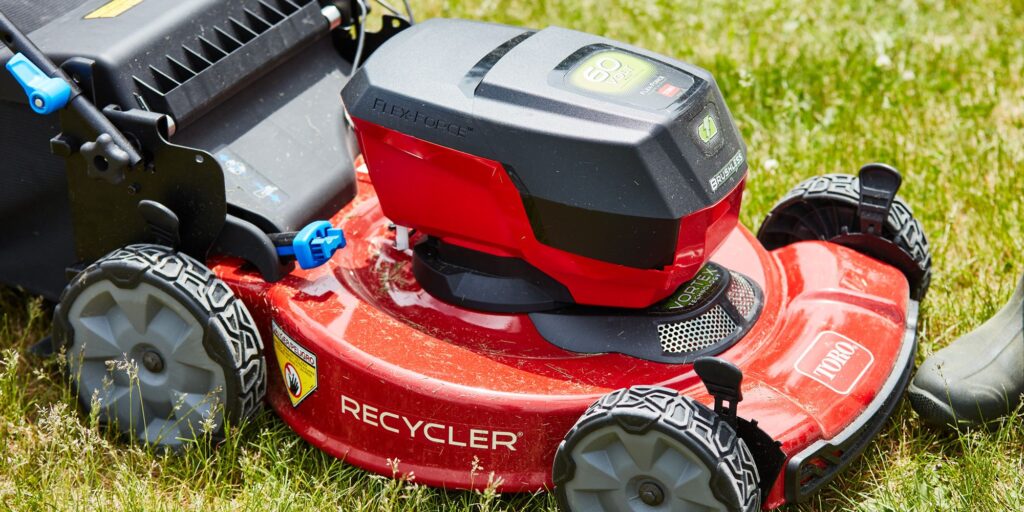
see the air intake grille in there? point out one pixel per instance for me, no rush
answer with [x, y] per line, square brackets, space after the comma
[698, 333]
[716, 325]
[741, 295]
[224, 54]
[703, 317]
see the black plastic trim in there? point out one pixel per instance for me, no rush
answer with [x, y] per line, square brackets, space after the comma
[638, 242]
[187, 181]
[767, 452]
[242, 239]
[479, 71]
[804, 475]
[229, 54]
[484, 282]
[634, 332]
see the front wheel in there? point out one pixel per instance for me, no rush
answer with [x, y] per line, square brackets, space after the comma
[160, 346]
[826, 208]
[649, 448]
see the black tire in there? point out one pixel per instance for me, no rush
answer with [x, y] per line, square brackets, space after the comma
[149, 299]
[825, 208]
[643, 415]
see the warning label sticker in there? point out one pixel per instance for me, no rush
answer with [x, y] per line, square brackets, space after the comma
[298, 366]
[112, 9]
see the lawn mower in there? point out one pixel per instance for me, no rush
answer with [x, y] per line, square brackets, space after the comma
[502, 258]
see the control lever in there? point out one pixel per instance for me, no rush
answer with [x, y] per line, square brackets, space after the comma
[49, 89]
[723, 380]
[878, 186]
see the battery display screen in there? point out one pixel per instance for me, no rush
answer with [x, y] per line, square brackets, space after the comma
[624, 77]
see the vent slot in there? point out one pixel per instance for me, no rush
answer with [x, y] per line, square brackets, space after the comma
[179, 71]
[227, 41]
[195, 60]
[270, 13]
[242, 32]
[257, 23]
[163, 82]
[697, 333]
[285, 6]
[250, 42]
[211, 51]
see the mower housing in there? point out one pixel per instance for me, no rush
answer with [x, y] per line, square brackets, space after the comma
[403, 376]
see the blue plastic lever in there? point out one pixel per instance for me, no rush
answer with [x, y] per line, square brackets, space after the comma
[314, 244]
[46, 95]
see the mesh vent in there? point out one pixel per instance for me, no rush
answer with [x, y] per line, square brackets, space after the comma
[697, 333]
[741, 295]
[705, 316]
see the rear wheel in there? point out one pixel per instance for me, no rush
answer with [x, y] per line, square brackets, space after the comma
[826, 208]
[161, 346]
[648, 448]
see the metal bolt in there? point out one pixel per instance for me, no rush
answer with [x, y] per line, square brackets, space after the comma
[172, 127]
[152, 361]
[333, 15]
[651, 494]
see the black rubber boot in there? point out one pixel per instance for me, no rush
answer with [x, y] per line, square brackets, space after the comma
[977, 378]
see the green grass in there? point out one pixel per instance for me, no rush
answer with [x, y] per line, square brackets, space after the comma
[935, 88]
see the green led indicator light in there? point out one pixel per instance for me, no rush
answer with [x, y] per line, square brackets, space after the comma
[612, 72]
[707, 129]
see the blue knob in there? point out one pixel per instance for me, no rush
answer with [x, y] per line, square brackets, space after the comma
[46, 95]
[314, 244]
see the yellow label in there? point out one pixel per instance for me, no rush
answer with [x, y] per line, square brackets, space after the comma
[112, 9]
[298, 366]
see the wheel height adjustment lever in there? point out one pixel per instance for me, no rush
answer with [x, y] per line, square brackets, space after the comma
[723, 380]
[878, 186]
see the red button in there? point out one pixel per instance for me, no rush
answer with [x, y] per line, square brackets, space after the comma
[668, 90]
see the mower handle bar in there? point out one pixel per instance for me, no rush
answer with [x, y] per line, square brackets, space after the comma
[18, 42]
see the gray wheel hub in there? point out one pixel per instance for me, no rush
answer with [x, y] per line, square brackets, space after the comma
[616, 470]
[140, 354]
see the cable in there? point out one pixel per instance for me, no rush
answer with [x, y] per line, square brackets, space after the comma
[408, 16]
[390, 8]
[361, 37]
[408, 10]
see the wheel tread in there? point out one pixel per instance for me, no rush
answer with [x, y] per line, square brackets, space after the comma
[901, 227]
[226, 315]
[671, 412]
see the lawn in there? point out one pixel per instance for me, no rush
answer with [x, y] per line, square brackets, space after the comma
[934, 88]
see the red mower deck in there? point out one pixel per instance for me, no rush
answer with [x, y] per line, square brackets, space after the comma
[485, 391]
